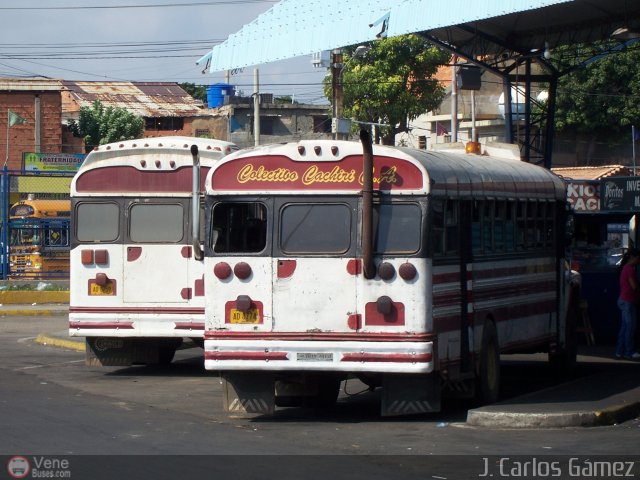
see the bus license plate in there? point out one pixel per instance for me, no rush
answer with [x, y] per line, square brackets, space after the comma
[251, 316]
[96, 289]
[314, 357]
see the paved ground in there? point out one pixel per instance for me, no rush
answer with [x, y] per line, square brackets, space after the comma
[609, 395]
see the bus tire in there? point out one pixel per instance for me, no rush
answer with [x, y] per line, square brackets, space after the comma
[488, 378]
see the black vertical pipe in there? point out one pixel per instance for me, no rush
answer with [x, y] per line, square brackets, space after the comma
[368, 268]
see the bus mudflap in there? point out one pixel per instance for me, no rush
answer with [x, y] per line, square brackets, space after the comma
[245, 392]
[409, 394]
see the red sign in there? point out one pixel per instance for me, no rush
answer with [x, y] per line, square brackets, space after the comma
[584, 196]
[277, 172]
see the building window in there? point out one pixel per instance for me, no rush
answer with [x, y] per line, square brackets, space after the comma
[321, 124]
[164, 123]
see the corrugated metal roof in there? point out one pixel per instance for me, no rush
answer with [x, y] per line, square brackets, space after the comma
[29, 85]
[592, 173]
[301, 27]
[145, 99]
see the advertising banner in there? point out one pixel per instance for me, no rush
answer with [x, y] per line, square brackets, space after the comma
[620, 194]
[52, 162]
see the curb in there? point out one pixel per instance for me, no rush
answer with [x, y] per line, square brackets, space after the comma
[596, 418]
[31, 312]
[33, 296]
[44, 339]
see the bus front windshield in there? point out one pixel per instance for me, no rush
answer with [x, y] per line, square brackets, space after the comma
[24, 236]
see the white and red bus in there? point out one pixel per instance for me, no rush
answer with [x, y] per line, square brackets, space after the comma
[414, 278]
[137, 288]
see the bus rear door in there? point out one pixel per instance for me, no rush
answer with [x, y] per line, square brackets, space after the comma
[156, 259]
[314, 268]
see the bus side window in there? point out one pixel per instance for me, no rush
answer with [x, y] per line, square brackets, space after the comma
[451, 226]
[521, 225]
[487, 226]
[437, 223]
[499, 221]
[476, 226]
[509, 226]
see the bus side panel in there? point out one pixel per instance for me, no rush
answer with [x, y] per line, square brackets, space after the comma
[519, 295]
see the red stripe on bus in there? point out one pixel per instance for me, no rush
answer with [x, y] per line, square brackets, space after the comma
[240, 355]
[326, 336]
[451, 323]
[127, 179]
[189, 325]
[515, 270]
[136, 310]
[102, 325]
[387, 357]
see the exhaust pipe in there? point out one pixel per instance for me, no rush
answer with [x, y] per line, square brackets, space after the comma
[368, 268]
[195, 204]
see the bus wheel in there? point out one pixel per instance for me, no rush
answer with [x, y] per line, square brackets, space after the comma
[488, 379]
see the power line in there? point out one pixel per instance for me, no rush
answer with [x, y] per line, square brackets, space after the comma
[154, 5]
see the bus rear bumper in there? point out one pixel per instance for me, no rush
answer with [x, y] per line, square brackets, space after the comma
[318, 356]
[135, 325]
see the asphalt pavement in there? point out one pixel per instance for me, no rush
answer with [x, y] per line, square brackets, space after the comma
[608, 396]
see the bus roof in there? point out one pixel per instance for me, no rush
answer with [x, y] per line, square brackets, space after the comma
[333, 166]
[158, 165]
[42, 208]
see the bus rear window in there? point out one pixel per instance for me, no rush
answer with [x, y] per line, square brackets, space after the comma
[315, 228]
[97, 222]
[398, 228]
[239, 227]
[155, 222]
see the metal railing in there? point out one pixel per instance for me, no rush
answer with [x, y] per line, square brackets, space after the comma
[47, 257]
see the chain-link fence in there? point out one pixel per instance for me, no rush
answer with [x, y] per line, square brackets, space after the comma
[36, 209]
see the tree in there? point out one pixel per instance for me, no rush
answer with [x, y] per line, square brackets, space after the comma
[600, 101]
[284, 100]
[199, 92]
[99, 125]
[392, 84]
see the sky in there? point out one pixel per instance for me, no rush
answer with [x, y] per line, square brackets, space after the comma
[140, 40]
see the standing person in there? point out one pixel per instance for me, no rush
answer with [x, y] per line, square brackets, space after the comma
[627, 302]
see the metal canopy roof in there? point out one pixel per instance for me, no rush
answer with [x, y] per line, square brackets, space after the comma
[470, 27]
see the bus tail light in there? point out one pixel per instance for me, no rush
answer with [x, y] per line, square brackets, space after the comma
[222, 270]
[242, 270]
[101, 257]
[86, 256]
[386, 271]
[407, 271]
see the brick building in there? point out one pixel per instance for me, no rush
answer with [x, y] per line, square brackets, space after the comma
[39, 102]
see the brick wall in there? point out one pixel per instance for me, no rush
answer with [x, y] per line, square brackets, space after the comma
[22, 138]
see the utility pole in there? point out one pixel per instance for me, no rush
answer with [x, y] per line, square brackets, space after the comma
[454, 99]
[256, 107]
[336, 88]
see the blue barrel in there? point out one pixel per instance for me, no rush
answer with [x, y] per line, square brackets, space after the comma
[217, 92]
